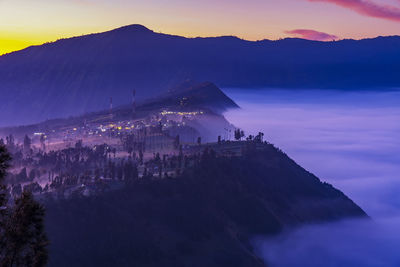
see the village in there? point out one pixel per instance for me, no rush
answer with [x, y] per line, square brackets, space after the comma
[94, 157]
[154, 132]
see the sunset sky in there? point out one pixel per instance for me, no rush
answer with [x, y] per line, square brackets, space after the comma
[28, 22]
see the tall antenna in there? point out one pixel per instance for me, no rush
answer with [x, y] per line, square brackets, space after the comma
[133, 103]
[111, 106]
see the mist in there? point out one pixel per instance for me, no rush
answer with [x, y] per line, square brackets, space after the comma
[349, 139]
[348, 243]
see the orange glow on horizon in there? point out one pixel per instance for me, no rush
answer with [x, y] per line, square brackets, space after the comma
[25, 22]
[8, 46]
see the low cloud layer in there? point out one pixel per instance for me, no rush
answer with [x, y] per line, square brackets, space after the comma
[347, 243]
[311, 35]
[349, 139]
[368, 8]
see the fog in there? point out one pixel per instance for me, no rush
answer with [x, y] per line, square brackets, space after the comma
[349, 139]
[349, 243]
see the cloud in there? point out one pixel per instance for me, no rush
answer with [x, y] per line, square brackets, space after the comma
[345, 243]
[368, 8]
[312, 35]
[347, 138]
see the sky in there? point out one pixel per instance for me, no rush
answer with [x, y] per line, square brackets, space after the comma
[27, 22]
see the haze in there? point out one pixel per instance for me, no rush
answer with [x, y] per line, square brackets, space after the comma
[349, 139]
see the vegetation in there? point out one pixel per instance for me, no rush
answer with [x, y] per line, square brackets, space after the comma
[170, 210]
[239, 134]
[212, 208]
[228, 61]
[23, 241]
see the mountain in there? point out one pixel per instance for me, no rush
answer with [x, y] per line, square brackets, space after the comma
[207, 216]
[187, 96]
[192, 94]
[77, 75]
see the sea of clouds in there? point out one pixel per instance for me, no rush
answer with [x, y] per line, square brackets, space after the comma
[350, 139]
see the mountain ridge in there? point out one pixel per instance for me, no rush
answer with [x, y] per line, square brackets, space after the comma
[142, 28]
[78, 75]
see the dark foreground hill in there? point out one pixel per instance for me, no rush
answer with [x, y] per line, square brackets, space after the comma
[77, 75]
[205, 217]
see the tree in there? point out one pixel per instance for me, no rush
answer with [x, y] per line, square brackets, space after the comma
[32, 175]
[16, 190]
[42, 142]
[239, 134]
[177, 142]
[120, 172]
[27, 144]
[259, 137]
[78, 144]
[10, 140]
[140, 157]
[157, 157]
[22, 175]
[4, 164]
[25, 239]
[129, 172]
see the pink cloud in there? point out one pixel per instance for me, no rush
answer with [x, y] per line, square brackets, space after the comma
[368, 8]
[312, 35]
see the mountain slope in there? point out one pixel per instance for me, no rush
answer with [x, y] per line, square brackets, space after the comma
[205, 217]
[188, 96]
[76, 75]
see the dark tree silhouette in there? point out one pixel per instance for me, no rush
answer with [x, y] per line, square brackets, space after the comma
[32, 175]
[23, 240]
[140, 157]
[239, 134]
[177, 142]
[42, 142]
[4, 164]
[259, 137]
[27, 144]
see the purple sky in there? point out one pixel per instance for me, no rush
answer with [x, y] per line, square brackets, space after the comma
[27, 22]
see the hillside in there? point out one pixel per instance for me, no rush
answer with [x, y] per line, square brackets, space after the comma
[205, 217]
[188, 96]
[191, 94]
[78, 75]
